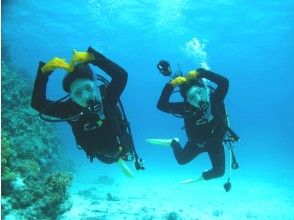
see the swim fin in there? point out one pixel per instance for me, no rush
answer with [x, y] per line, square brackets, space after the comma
[55, 63]
[188, 181]
[124, 168]
[164, 142]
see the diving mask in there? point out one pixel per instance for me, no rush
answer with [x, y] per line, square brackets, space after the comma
[85, 94]
[82, 91]
[197, 96]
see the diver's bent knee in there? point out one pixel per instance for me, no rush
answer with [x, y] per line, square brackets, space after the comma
[219, 173]
[211, 174]
[181, 162]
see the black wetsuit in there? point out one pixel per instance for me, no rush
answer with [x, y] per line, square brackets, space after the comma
[210, 133]
[101, 142]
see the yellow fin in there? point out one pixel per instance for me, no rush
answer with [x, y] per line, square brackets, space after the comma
[164, 142]
[124, 168]
[55, 63]
[81, 57]
[188, 181]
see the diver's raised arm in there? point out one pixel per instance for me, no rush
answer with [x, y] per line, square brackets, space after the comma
[221, 82]
[39, 100]
[118, 75]
[164, 104]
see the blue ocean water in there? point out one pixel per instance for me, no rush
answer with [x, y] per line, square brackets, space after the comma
[249, 42]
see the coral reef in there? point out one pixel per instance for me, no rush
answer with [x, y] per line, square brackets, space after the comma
[34, 183]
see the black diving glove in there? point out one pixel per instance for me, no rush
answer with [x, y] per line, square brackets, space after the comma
[41, 65]
[99, 58]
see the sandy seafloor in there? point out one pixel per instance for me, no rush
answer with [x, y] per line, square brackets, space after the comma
[159, 195]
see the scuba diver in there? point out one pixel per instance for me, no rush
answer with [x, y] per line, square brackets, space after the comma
[93, 111]
[204, 116]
